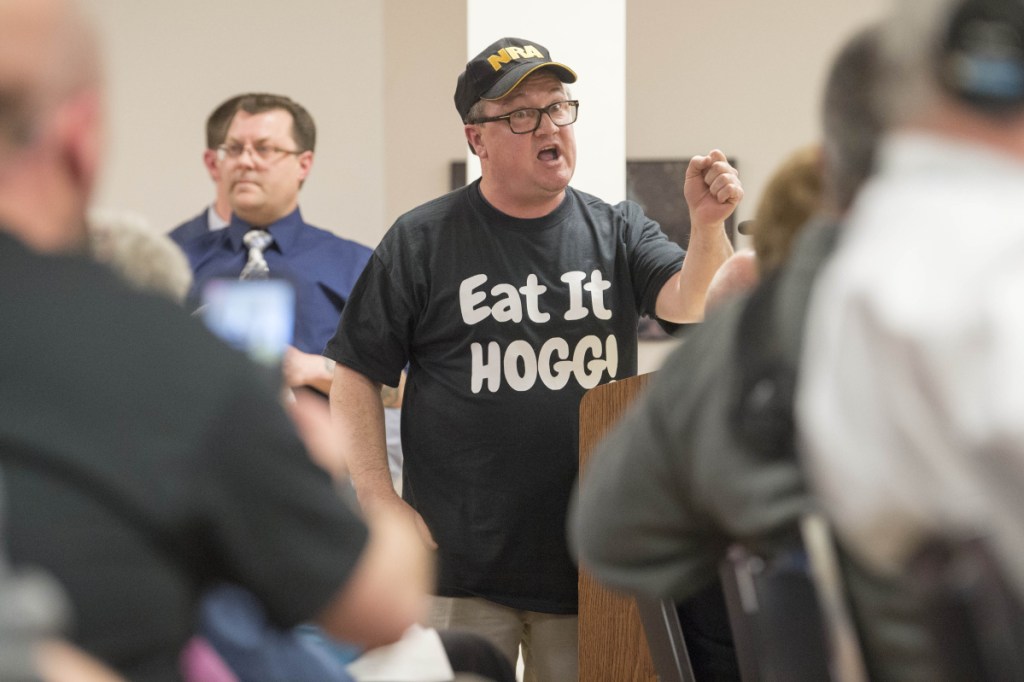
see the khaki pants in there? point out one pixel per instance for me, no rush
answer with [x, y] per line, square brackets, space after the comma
[550, 642]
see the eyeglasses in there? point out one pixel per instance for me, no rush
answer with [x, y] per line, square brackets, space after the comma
[523, 121]
[264, 152]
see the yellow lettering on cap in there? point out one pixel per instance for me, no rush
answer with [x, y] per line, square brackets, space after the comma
[496, 60]
[505, 55]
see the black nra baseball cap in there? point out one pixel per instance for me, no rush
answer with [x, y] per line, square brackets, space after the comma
[497, 70]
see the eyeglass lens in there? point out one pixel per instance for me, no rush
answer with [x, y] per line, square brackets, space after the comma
[528, 120]
[264, 152]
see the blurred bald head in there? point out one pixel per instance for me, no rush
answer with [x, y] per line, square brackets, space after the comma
[50, 121]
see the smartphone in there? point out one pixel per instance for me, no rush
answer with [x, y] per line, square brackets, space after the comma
[256, 317]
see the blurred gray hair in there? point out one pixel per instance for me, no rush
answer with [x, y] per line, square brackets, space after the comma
[145, 258]
[911, 35]
[852, 125]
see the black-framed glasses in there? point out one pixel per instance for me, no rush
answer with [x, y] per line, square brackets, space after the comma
[263, 152]
[523, 121]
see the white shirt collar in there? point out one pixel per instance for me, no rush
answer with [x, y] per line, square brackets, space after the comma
[213, 220]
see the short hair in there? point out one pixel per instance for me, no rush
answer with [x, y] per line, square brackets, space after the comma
[303, 127]
[476, 111]
[146, 259]
[908, 53]
[851, 120]
[793, 195]
[219, 121]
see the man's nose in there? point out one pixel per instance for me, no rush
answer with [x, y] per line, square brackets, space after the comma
[546, 125]
[248, 157]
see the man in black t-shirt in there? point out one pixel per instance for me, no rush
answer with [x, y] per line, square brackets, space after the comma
[508, 299]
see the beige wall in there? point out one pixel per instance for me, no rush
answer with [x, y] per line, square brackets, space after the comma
[744, 76]
[426, 46]
[378, 77]
[171, 63]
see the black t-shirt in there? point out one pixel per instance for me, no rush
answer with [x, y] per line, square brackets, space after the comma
[143, 461]
[504, 324]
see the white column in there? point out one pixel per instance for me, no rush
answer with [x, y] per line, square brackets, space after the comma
[590, 38]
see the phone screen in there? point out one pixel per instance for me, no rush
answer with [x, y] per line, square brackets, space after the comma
[256, 317]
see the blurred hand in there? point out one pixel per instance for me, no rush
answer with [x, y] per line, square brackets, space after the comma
[397, 508]
[59, 661]
[307, 369]
[312, 419]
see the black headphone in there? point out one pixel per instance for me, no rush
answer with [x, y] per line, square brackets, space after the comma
[981, 55]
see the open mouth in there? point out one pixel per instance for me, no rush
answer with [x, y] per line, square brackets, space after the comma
[549, 154]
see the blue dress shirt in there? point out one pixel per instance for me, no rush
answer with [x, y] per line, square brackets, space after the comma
[207, 221]
[236, 625]
[190, 229]
[321, 266]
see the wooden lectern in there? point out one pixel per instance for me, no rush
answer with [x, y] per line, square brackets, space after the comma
[613, 644]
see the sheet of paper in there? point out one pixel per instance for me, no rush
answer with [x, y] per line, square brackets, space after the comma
[418, 657]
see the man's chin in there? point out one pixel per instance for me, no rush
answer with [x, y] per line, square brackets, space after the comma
[243, 189]
[245, 201]
[557, 173]
[558, 183]
[251, 213]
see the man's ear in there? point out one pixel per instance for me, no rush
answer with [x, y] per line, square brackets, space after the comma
[79, 127]
[212, 166]
[305, 164]
[475, 140]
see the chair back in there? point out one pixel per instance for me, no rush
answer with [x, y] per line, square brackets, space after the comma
[845, 653]
[664, 633]
[775, 617]
[975, 617]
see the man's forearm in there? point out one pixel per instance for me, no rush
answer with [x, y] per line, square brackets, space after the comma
[322, 382]
[357, 411]
[390, 396]
[307, 369]
[683, 296]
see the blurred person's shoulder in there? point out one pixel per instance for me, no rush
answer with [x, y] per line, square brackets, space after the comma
[71, 309]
